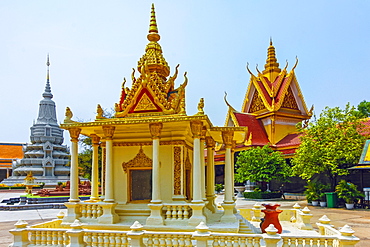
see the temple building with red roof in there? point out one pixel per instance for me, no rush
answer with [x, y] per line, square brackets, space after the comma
[272, 107]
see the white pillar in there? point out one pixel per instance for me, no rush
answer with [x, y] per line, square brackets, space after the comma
[155, 130]
[95, 168]
[109, 193]
[196, 128]
[203, 164]
[210, 192]
[197, 204]
[73, 193]
[228, 177]
[229, 204]
[102, 171]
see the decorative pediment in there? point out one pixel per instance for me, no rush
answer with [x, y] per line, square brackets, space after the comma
[145, 103]
[140, 160]
[257, 103]
[289, 100]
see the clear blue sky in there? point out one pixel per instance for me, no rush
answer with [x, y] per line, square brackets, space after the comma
[94, 44]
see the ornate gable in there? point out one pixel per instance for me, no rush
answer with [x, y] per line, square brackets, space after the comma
[152, 93]
[289, 100]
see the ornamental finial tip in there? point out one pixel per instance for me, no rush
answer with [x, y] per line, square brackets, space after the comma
[153, 28]
[270, 40]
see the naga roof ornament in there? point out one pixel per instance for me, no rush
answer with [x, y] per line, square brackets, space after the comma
[152, 93]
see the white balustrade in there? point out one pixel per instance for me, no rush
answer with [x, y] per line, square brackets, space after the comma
[177, 212]
[48, 237]
[237, 240]
[90, 210]
[94, 238]
[168, 239]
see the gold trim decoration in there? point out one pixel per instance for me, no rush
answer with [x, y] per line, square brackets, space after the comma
[74, 134]
[196, 128]
[145, 104]
[177, 170]
[140, 160]
[187, 161]
[289, 100]
[227, 138]
[210, 143]
[108, 131]
[95, 139]
[257, 103]
[155, 130]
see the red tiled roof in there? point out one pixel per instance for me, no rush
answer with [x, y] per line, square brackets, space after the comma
[289, 140]
[259, 136]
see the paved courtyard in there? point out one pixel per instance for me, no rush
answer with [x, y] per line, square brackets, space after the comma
[358, 219]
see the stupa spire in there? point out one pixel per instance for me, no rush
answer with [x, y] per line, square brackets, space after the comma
[153, 28]
[153, 59]
[271, 66]
[47, 93]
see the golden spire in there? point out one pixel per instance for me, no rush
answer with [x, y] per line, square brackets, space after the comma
[271, 66]
[153, 28]
[153, 58]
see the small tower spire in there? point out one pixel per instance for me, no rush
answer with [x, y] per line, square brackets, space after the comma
[153, 28]
[271, 66]
[47, 93]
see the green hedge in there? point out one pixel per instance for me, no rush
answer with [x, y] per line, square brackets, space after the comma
[262, 195]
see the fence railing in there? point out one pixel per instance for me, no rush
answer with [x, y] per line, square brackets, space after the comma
[202, 237]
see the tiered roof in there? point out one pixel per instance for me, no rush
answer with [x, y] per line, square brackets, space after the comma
[273, 99]
[152, 93]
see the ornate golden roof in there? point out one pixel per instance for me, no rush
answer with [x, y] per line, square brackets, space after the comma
[274, 90]
[151, 93]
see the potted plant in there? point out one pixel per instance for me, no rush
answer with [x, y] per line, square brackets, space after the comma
[314, 192]
[348, 191]
[322, 199]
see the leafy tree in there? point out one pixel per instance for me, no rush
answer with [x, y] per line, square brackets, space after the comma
[363, 109]
[329, 144]
[85, 156]
[261, 165]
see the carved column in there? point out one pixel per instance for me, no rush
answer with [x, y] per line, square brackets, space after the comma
[210, 192]
[229, 204]
[74, 133]
[155, 205]
[108, 133]
[197, 202]
[95, 168]
[109, 215]
[73, 209]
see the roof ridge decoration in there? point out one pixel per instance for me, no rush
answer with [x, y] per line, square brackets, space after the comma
[152, 93]
[273, 89]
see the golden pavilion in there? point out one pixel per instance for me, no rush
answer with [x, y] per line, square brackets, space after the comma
[153, 168]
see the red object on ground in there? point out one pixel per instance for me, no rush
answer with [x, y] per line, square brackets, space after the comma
[271, 217]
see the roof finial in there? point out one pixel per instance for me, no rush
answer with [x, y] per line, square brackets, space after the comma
[271, 63]
[47, 92]
[153, 29]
